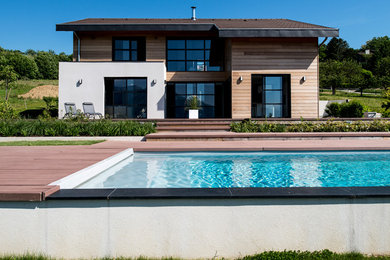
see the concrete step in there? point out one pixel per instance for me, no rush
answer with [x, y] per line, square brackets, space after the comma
[193, 128]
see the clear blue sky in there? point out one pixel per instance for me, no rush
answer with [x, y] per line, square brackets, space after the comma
[30, 24]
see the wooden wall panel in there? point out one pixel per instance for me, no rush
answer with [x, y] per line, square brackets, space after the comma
[155, 48]
[98, 47]
[198, 76]
[295, 56]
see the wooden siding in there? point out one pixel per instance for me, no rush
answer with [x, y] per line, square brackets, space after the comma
[198, 76]
[155, 48]
[295, 56]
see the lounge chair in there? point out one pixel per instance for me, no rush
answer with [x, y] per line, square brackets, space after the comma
[70, 110]
[89, 111]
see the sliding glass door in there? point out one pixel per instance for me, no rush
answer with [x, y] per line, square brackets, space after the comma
[214, 99]
[125, 97]
[270, 96]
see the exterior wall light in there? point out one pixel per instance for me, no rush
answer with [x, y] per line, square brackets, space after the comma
[303, 79]
[154, 82]
[239, 80]
[79, 82]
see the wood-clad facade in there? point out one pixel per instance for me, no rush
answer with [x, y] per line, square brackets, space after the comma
[244, 57]
[266, 67]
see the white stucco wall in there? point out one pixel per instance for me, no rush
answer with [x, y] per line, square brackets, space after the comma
[190, 228]
[92, 75]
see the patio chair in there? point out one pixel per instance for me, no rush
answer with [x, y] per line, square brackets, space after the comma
[70, 110]
[89, 111]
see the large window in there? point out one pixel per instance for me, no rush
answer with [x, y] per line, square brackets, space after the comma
[128, 49]
[195, 55]
[214, 99]
[125, 97]
[270, 96]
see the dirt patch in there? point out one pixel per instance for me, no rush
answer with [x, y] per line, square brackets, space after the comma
[41, 91]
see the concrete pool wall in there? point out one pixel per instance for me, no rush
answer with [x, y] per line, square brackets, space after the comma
[194, 228]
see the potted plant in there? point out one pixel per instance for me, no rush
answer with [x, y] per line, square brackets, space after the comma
[193, 106]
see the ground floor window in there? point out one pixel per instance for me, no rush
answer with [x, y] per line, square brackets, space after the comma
[214, 99]
[270, 95]
[125, 97]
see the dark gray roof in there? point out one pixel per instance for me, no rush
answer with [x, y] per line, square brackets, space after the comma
[222, 27]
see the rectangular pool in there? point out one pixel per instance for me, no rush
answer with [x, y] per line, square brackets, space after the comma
[246, 169]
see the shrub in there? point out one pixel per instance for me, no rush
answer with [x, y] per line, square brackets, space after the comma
[248, 126]
[74, 128]
[333, 109]
[351, 109]
[6, 111]
[348, 109]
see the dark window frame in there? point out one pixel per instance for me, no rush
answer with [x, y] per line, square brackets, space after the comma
[173, 85]
[112, 79]
[141, 48]
[285, 92]
[222, 68]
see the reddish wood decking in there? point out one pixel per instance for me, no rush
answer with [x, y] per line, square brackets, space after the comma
[25, 172]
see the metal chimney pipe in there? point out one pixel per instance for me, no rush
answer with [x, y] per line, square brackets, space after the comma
[193, 18]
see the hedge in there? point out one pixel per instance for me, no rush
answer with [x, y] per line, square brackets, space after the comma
[102, 127]
[248, 126]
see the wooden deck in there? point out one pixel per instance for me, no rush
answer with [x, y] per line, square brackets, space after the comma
[26, 172]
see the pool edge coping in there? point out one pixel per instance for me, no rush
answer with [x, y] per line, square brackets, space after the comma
[220, 193]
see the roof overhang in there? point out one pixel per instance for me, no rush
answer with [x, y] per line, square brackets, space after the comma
[136, 27]
[204, 27]
[279, 33]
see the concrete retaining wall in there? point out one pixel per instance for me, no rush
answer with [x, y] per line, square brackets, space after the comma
[194, 228]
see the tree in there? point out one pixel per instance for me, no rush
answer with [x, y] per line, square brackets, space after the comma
[24, 65]
[31, 52]
[338, 49]
[380, 48]
[331, 75]
[64, 57]
[356, 76]
[9, 76]
[47, 64]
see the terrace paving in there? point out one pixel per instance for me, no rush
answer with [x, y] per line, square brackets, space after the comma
[27, 171]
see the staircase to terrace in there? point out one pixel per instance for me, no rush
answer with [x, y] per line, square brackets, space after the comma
[193, 125]
[219, 130]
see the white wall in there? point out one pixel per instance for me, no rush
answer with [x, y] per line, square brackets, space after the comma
[92, 87]
[191, 228]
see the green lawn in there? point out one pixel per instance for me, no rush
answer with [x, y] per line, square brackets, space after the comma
[22, 87]
[372, 102]
[272, 255]
[50, 143]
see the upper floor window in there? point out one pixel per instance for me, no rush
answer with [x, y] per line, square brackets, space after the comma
[195, 55]
[128, 49]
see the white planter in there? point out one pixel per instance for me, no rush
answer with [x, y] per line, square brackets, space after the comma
[193, 114]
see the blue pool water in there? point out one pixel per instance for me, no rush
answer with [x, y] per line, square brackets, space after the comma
[246, 169]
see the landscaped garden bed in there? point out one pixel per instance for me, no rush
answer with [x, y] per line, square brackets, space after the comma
[249, 126]
[104, 127]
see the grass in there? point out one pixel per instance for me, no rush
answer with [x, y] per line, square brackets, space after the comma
[22, 87]
[271, 255]
[50, 143]
[372, 102]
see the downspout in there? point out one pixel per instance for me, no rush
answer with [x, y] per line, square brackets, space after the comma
[78, 46]
[318, 77]
[322, 43]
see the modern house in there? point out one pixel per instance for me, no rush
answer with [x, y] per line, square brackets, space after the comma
[238, 68]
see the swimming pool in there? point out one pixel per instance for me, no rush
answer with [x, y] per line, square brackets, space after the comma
[246, 169]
